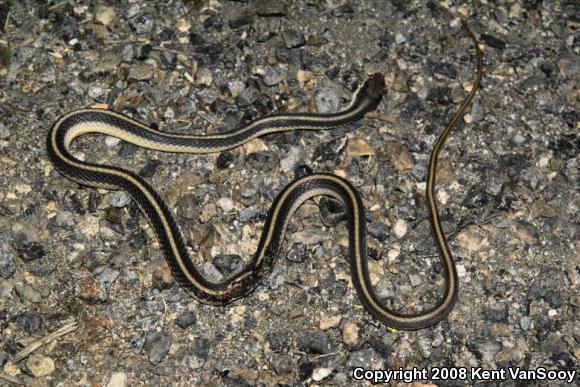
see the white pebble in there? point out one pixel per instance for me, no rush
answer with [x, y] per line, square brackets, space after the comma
[400, 228]
[320, 373]
[111, 141]
[226, 204]
[118, 379]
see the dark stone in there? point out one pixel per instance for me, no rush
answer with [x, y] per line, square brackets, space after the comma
[166, 35]
[330, 151]
[548, 68]
[186, 319]
[28, 249]
[105, 276]
[293, 38]
[166, 368]
[332, 211]
[30, 321]
[201, 347]
[314, 342]
[379, 231]
[411, 106]
[386, 39]
[138, 237]
[554, 298]
[279, 342]
[7, 264]
[196, 40]
[297, 253]
[264, 161]
[485, 349]
[127, 149]
[445, 69]
[142, 52]
[380, 347]
[248, 96]
[4, 9]
[476, 197]
[219, 106]
[498, 313]
[241, 21]
[225, 159]
[270, 8]
[302, 170]
[514, 52]
[494, 42]
[115, 218]
[332, 72]
[150, 168]
[157, 346]
[345, 10]
[553, 344]
[305, 370]
[562, 360]
[5, 59]
[68, 27]
[441, 95]
[568, 145]
[289, 56]
[169, 60]
[214, 22]
[228, 263]
[514, 164]
[188, 206]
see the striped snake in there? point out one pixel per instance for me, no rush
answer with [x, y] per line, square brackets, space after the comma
[366, 99]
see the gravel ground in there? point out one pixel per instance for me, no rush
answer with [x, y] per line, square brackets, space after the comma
[507, 187]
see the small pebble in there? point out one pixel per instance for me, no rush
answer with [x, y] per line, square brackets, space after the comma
[399, 228]
[27, 293]
[415, 279]
[30, 321]
[119, 199]
[7, 264]
[314, 342]
[270, 7]
[186, 319]
[157, 346]
[226, 204]
[40, 365]
[118, 379]
[351, 334]
[326, 101]
[274, 75]
[297, 252]
[4, 132]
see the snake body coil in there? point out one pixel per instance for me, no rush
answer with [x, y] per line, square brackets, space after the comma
[366, 99]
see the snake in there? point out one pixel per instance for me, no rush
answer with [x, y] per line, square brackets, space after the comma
[365, 99]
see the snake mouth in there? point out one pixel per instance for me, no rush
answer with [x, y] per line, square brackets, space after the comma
[375, 85]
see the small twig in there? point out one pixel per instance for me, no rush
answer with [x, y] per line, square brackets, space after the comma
[6, 20]
[321, 356]
[57, 5]
[65, 329]
[177, 52]
[315, 357]
[206, 117]
[10, 379]
[125, 41]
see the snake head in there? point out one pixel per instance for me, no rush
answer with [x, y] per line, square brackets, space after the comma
[375, 85]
